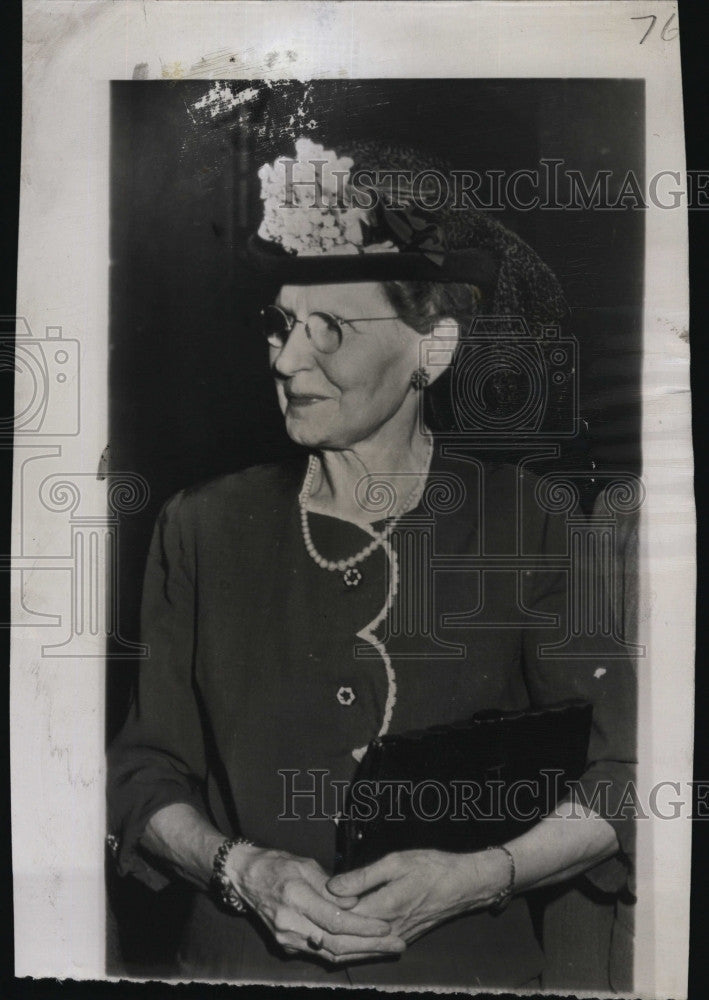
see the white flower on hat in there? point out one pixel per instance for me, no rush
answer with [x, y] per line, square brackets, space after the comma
[307, 207]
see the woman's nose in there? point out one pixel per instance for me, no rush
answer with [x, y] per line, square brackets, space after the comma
[296, 353]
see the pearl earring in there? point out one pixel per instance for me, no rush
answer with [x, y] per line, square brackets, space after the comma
[420, 378]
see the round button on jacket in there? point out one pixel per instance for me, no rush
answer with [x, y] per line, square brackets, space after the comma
[346, 695]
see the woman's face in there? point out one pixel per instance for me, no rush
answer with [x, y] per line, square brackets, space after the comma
[337, 400]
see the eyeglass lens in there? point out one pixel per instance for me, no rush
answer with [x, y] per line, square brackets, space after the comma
[322, 329]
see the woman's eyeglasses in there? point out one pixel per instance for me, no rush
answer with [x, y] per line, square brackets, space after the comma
[322, 328]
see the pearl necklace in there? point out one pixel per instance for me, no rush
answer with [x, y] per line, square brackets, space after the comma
[348, 567]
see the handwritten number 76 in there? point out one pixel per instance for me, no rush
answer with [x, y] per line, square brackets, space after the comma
[665, 35]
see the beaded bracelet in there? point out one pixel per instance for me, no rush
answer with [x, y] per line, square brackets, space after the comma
[502, 899]
[221, 883]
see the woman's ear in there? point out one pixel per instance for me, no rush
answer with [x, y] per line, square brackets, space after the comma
[439, 347]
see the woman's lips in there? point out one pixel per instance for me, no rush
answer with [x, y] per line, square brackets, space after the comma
[302, 399]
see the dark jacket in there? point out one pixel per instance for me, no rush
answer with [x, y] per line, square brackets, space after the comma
[250, 643]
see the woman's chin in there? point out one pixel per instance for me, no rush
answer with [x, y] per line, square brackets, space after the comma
[306, 432]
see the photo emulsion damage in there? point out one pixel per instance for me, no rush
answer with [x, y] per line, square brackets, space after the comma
[375, 372]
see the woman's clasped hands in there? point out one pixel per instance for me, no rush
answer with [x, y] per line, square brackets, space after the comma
[290, 895]
[369, 913]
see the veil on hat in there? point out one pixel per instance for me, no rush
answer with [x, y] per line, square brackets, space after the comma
[362, 214]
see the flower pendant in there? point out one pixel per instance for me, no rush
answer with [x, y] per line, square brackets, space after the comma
[352, 577]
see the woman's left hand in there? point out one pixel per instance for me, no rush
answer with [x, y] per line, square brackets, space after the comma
[415, 890]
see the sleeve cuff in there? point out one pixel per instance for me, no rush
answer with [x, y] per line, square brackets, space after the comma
[129, 862]
[124, 843]
[610, 876]
[616, 806]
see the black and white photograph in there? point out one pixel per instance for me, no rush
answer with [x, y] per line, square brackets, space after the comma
[369, 454]
[407, 481]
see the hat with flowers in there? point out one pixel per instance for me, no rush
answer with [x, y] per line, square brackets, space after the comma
[373, 212]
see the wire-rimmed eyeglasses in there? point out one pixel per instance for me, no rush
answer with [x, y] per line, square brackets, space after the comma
[322, 328]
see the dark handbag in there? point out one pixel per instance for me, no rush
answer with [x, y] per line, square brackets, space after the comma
[462, 787]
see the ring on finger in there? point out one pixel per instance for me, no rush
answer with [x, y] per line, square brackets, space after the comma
[314, 942]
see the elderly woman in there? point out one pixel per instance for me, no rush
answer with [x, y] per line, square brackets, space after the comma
[262, 589]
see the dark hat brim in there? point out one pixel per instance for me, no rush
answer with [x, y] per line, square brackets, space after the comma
[271, 262]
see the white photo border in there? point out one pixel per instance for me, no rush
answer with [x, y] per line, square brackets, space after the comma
[72, 52]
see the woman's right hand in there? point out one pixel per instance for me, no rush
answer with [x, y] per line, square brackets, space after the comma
[290, 895]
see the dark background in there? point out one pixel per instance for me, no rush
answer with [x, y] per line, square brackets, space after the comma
[190, 392]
